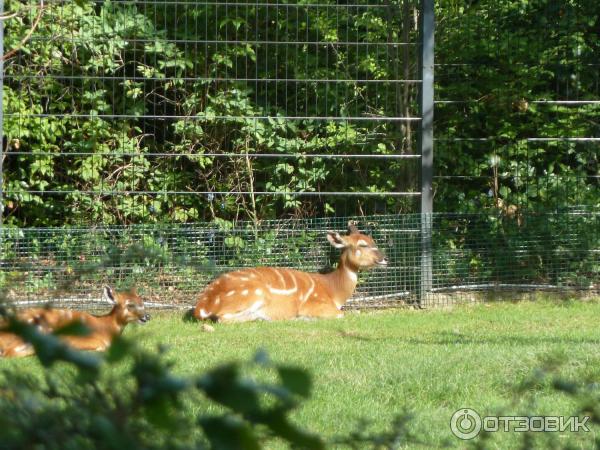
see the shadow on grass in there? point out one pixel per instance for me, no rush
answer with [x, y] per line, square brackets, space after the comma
[457, 338]
[188, 316]
[356, 336]
[447, 338]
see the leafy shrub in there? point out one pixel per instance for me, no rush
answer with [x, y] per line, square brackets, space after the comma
[130, 398]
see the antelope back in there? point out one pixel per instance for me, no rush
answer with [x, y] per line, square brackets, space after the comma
[259, 293]
[12, 345]
[128, 307]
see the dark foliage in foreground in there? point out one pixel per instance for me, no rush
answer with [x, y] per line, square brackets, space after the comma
[130, 398]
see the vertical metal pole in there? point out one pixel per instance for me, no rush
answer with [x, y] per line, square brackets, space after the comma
[426, 144]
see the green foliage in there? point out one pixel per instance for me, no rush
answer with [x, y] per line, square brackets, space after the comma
[131, 398]
[141, 406]
[480, 249]
[518, 358]
[499, 62]
[88, 60]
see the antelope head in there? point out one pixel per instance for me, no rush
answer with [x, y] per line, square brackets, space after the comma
[359, 250]
[128, 304]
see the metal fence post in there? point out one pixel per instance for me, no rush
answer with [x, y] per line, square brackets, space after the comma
[426, 146]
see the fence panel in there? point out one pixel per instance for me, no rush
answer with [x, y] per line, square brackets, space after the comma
[159, 143]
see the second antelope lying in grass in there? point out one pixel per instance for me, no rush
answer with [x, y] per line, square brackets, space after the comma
[127, 307]
[266, 293]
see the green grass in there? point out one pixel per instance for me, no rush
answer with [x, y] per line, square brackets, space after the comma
[376, 365]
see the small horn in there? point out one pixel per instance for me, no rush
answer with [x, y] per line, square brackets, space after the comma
[352, 228]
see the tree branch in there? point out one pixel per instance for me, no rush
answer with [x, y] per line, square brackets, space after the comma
[36, 22]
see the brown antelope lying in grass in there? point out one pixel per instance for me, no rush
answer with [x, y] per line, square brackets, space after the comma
[266, 293]
[127, 307]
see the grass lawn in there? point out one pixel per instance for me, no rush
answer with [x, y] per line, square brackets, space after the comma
[376, 365]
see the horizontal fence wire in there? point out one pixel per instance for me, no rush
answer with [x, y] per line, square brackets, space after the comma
[265, 117]
[226, 155]
[475, 257]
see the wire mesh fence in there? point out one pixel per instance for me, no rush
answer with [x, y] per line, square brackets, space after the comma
[159, 143]
[172, 263]
[517, 106]
[148, 111]
[479, 257]
[475, 257]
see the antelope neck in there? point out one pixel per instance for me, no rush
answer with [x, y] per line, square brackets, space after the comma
[343, 280]
[112, 321]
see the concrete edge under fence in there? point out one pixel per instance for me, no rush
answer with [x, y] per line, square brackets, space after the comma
[438, 297]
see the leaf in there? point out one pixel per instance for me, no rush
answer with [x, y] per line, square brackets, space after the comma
[234, 242]
[295, 380]
[262, 358]
[279, 424]
[229, 433]
[119, 349]
[223, 386]
[75, 328]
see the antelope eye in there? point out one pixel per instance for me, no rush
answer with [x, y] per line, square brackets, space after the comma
[364, 245]
[131, 306]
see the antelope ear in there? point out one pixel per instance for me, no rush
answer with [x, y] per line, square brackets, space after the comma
[353, 227]
[109, 295]
[336, 239]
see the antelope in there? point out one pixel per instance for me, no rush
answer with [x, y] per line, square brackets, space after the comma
[127, 307]
[268, 293]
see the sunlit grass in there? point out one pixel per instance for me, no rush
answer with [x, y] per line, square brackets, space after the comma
[377, 365]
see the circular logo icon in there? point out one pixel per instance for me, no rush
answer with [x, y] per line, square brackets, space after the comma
[465, 424]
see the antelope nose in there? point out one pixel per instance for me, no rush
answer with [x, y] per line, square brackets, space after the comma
[382, 262]
[145, 318]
